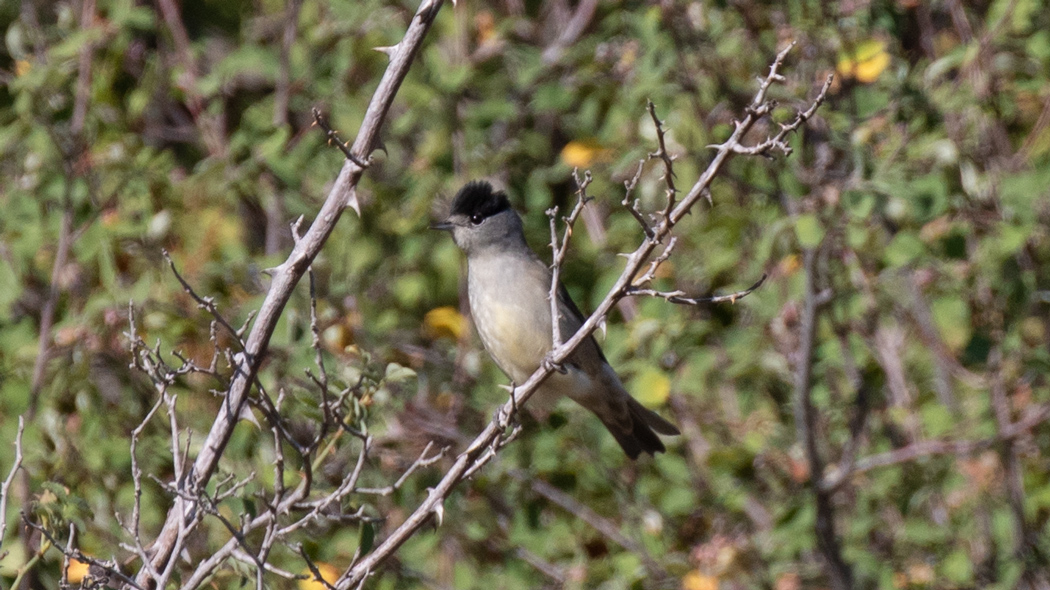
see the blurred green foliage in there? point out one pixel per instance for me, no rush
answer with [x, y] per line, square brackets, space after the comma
[923, 183]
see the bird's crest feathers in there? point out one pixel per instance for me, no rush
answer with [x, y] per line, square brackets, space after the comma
[478, 201]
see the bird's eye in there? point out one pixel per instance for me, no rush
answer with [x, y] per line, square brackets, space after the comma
[476, 219]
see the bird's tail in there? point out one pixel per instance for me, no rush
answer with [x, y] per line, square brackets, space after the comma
[641, 436]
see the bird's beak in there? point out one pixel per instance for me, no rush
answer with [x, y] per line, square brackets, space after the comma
[442, 225]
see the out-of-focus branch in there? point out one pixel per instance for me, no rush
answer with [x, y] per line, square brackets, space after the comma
[487, 443]
[209, 126]
[182, 515]
[839, 572]
[928, 448]
[283, 90]
[81, 99]
[603, 525]
[1026, 544]
[574, 27]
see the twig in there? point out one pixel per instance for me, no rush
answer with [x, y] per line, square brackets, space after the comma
[333, 137]
[422, 461]
[5, 488]
[205, 303]
[665, 157]
[313, 568]
[64, 581]
[760, 107]
[680, 297]
[108, 567]
[559, 252]
[632, 204]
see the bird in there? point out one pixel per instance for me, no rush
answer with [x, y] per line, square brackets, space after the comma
[509, 288]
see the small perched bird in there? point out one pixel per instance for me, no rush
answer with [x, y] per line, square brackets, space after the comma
[509, 289]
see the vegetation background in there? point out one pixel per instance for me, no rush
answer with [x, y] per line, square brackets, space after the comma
[921, 193]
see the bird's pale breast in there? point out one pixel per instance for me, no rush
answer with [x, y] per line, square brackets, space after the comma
[508, 300]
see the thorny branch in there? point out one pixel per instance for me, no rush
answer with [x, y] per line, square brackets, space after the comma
[74, 553]
[682, 298]
[559, 251]
[5, 488]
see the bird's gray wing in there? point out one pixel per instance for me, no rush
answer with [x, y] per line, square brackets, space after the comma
[563, 296]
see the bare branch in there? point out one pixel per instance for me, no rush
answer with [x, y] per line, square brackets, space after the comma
[632, 205]
[777, 142]
[682, 298]
[559, 252]
[109, 567]
[333, 137]
[422, 461]
[665, 157]
[5, 488]
[313, 569]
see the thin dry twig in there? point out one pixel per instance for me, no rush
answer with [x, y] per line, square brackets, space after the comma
[333, 138]
[5, 488]
[110, 567]
[664, 156]
[632, 204]
[682, 298]
[559, 251]
[760, 107]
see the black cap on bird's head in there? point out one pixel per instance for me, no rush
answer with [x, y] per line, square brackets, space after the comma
[477, 201]
[474, 203]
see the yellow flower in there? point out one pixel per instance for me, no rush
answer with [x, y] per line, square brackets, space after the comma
[444, 321]
[866, 63]
[581, 153]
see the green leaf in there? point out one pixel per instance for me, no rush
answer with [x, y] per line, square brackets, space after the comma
[367, 538]
[809, 230]
[396, 373]
[651, 387]
[958, 567]
[952, 316]
[904, 248]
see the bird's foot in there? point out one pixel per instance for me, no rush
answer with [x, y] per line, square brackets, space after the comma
[550, 365]
[504, 419]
